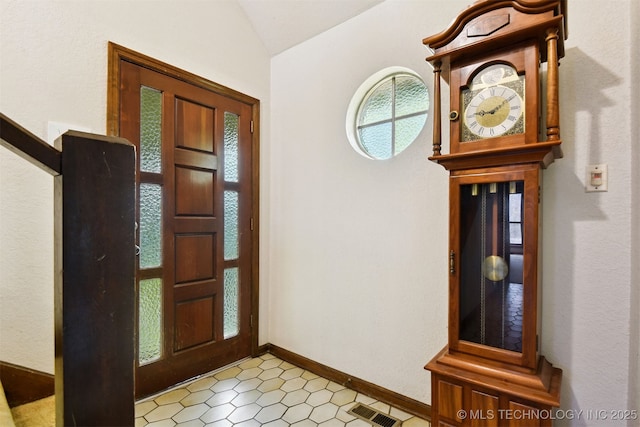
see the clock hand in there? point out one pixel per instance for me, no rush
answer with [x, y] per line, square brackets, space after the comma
[493, 111]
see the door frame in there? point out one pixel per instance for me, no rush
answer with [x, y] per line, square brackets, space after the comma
[117, 53]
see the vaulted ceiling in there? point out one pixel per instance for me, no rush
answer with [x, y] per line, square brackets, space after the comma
[285, 23]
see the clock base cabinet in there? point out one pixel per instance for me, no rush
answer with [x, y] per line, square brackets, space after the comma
[468, 391]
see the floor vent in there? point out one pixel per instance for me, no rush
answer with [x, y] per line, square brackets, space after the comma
[374, 417]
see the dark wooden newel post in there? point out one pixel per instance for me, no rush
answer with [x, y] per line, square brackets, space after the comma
[95, 287]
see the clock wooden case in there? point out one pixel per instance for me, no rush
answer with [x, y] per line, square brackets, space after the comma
[503, 131]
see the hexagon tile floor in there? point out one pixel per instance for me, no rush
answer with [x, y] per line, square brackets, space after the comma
[261, 391]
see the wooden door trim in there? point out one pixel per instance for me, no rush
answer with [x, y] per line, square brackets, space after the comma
[119, 53]
[116, 54]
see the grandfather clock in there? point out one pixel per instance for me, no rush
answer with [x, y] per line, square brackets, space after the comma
[504, 130]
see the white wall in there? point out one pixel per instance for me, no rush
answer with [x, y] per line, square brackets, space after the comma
[358, 278]
[358, 258]
[588, 275]
[54, 68]
[634, 330]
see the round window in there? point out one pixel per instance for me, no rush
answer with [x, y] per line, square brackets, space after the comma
[387, 113]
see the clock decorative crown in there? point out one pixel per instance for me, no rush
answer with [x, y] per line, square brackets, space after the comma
[490, 56]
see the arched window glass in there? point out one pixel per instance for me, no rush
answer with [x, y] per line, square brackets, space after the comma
[387, 113]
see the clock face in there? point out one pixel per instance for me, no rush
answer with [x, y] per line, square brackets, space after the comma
[493, 104]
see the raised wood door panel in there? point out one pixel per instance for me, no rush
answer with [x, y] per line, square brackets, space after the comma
[521, 415]
[197, 274]
[193, 190]
[194, 257]
[194, 126]
[450, 400]
[484, 409]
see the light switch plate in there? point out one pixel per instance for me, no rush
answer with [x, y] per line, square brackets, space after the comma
[597, 178]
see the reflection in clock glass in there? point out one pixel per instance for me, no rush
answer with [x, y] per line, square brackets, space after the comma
[491, 300]
[494, 74]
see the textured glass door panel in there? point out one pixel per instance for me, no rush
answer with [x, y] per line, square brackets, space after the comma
[150, 321]
[231, 244]
[231, 315]
[150, 225]
[230, 147]
[491, 278]
[150, 129]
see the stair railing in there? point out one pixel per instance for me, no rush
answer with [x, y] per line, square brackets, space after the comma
[94, 235]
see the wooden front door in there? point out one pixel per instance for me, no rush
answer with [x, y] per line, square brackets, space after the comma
[195, 221]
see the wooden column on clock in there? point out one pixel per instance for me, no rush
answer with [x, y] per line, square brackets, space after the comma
[504, 131]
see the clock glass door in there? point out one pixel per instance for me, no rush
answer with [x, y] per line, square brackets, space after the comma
[491, 264]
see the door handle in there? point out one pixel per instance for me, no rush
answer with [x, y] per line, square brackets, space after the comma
[137, 247]
[452, 263]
